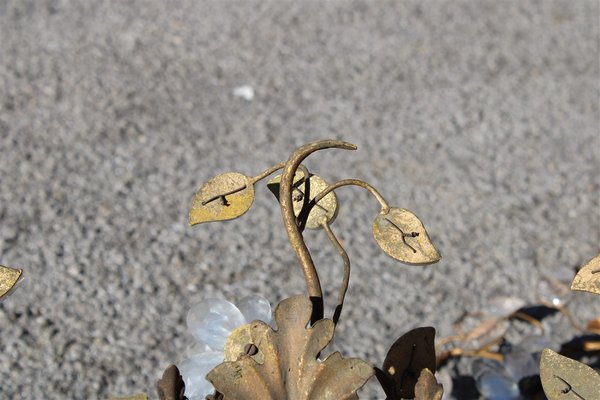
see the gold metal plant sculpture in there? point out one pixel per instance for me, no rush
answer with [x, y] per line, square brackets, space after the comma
[284, 363]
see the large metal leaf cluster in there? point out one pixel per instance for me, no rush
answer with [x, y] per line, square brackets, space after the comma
[290, 368]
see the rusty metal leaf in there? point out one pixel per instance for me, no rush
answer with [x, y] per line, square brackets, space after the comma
[8, 279]
[139, 396]
[226, 196]
[407, 357]
[401, 235]
[291, 369]
[427, 387]
[588, 277]
[563, 378]
[171, 385]
[324, 211]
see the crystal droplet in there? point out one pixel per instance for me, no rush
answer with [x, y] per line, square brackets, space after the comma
[255, 307]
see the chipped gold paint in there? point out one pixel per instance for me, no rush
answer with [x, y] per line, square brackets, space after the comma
[565, 379]
[588, 277]
[224, 197]
[8, 279]
[402, 236]
[238, 341]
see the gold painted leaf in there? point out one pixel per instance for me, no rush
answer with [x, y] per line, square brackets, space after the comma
[139, 396]
[427, 387]
[588, 277]
[291, 369]
[566, 379]
[226, 196]
[304, 191]
[8, 279]
[401, 235]
[407, 357]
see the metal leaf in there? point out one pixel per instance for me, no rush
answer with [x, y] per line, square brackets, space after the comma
[226, 196]
[324, 211]
[401, 235]
[8, 279]
[588, 277]
[408, 356]
[291, 369]
[563, 378]
[171, 385]
[427, 387]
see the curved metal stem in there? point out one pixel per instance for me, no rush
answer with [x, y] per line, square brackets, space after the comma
[267, 172]
[346, 278]
[351, 182]
[346, 182]
[289, 220]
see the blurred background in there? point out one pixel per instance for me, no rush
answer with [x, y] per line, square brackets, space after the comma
[480, 117]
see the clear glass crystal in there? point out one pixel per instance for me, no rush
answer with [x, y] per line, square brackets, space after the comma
[212, 320]
[194, 370]
[495, 386]
[255, 307]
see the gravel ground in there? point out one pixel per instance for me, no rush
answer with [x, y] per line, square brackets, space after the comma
[481, 117]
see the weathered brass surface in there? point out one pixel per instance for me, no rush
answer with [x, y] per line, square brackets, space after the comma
[171, 385]
[563, 378]
[427, 387]
[406, 358]
[238, 342]
[304, 191]
[226, 196]
[402, 236]
[291, 369]
[8, 279]
[588, 277]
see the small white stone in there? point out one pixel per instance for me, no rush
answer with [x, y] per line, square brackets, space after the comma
[212, 320]
[255, 307]
[445, 379]
[245, 92]
[193, 371]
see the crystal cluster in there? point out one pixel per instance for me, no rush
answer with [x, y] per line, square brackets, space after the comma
[211, 322]
[508, 380]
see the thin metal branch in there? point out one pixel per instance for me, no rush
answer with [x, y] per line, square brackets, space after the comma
[289, 220]
[346, 278]
[267, 172]
[352, 182]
